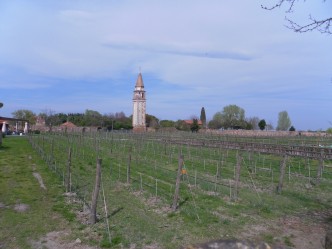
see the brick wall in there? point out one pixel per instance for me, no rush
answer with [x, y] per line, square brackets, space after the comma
[251, 133]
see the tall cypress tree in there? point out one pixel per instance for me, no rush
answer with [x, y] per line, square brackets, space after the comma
[203, 117]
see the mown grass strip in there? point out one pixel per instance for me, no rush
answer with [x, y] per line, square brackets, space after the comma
[26, 209]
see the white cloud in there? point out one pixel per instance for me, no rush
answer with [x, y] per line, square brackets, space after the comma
[213, 53]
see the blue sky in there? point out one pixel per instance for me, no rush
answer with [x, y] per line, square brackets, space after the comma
[69, 56]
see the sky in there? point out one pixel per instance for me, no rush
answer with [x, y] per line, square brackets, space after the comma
[69, 56]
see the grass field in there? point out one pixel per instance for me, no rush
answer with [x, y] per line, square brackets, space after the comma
[140, 209]
[139, 213]
[28, 211]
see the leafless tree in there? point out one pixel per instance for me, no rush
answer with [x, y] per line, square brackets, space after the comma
[321, 25]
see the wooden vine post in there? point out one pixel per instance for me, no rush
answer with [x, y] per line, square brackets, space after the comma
[93, 211]
[68, 178]
[52, 151]
[320, 168]
[177, 183]
[128, 168]
[282, 173]
[237, 174]
[218, 174]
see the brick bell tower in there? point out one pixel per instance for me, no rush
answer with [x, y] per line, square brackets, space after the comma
[139, 106]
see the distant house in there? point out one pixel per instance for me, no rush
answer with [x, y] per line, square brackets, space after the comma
[40, 124]
[190, 122]
[13, 124]
[68, 125]
[40, 121]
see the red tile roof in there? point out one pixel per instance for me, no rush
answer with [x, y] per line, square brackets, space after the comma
[190, 122]
[68, 125]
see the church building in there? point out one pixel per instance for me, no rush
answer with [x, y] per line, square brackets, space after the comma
[139, 106]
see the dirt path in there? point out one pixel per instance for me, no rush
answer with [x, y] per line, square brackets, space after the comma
[39, 179]
[56, 240]
[37, 175]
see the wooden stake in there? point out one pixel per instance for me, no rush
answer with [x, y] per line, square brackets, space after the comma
[177, 183]
[237, 175]
[128, 169]
[309, 172]
[52, 150]
[93, 212]
[320, 168]
[156, 187]
[119, 172]
[282, 173]
[68, 182]
[106, 213]
[215, 184]
[141, 180]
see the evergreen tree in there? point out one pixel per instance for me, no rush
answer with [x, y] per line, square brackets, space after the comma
[194, 127]
[262, 124]
[203, 117]
[292, 128]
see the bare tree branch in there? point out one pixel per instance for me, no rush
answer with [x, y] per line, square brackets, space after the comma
[323, 25]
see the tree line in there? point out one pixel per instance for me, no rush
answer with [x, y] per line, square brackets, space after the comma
[230, 117]
[233, 117]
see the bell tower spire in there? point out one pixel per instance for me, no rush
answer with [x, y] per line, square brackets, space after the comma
[139, 105]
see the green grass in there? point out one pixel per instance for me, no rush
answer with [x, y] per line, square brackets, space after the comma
[206, 212]
[18, 186]
[288, 242]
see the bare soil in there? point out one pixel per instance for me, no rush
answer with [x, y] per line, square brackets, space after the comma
[39, 179]
[56, 240]
[21, 207]
[305, 231]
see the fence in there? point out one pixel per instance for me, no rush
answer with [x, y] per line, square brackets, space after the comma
[148, 163]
